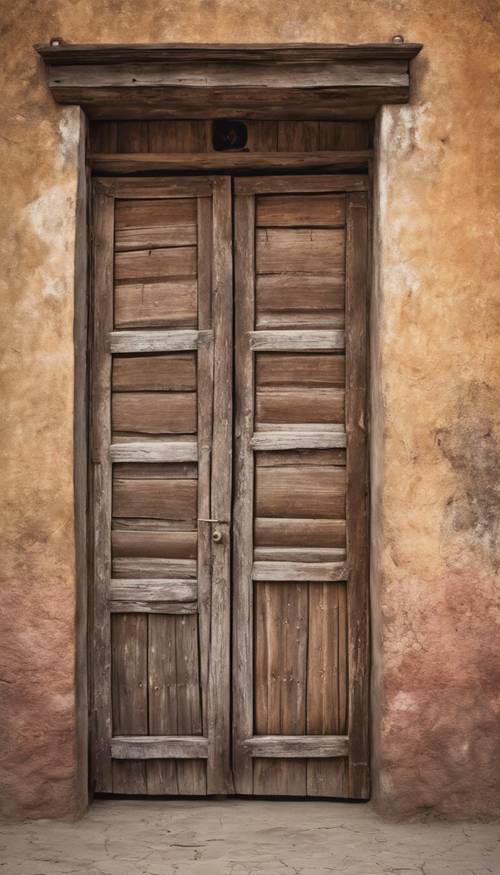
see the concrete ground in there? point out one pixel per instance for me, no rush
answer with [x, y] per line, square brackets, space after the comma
[237, 837]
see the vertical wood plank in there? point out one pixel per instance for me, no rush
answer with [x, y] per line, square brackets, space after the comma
[186, 136]
[219, 778]
[130, 694]
[103, 240]
[244, 489]
[205, 389]
[103, 137]
[280, 681]
[191, 774]
[162, 700]
[326, 683]
[132, 136]
[262, 136]
[297, 136]
[357, 491]
[344, 135]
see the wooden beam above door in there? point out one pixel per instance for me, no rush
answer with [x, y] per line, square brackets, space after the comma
[217, 81]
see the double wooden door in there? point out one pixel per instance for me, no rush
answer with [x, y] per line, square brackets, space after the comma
[230, 582]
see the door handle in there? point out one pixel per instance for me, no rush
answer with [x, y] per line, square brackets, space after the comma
[210, 520]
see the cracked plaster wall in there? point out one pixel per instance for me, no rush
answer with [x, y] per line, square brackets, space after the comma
[436, 393]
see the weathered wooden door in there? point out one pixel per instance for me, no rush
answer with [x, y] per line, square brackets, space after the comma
[162, 469]
[164, 596]
[300, 585]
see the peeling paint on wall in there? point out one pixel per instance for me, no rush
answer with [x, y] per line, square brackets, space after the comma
[435, 426]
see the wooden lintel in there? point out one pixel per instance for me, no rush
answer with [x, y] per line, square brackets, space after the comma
[124, 53]
[213, 81]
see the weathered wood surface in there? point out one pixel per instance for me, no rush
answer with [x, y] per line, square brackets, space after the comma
[103, 221]
[243, 501]
[158, 451]
[317, 746]
[158, 373]
[288, 341]
[116, 53]
[213, 74]
[299, 571]
[158, 747]
[219, 777]
[357, 528]
[186, 137]
[218, 81]
[155, 341]
[152, 567]
[294, 680]
[300, 599]
[237, 161]
[299, 532]
[153, 590]
[291, 440]
[299, 184]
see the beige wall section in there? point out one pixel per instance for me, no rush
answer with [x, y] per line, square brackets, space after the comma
[436, 392]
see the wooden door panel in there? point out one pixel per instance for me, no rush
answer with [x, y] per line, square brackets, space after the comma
[155, 373]
[155, 305]
[282, 210]
[297, 250]
[300, 569]
[161, 610]
[155, 263]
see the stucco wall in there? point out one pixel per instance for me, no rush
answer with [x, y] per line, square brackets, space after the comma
[436, 548]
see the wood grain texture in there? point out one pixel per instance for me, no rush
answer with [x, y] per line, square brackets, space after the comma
[306, 369]
[244, 488]
[205, 379]
[154, 452]
[103, 219]
[290, 341]
[151, 161]
[300, 184]
[155, 373]
[155, 499]
[158, 747]
[280, 680]
[299, 532]
[155, 341]
[280, 570]
[300, 53]
[150, 568]
[291, 440]
[357, 492]
[156, 304]
[314, 492]
[130, 693]
[293, 746]
[158, 413]
[176, 261]
[153, 590]
[298, 250]
[219, 777]
[296, 210]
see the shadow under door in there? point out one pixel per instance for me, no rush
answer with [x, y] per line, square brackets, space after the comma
[229, 646]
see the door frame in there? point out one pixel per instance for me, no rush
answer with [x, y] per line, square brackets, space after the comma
[91, 98]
